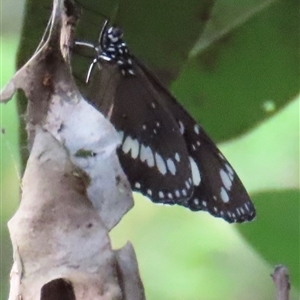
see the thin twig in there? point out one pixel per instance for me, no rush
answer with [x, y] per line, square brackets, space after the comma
[280, 277]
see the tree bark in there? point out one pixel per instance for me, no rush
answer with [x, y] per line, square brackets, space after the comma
[73, 190]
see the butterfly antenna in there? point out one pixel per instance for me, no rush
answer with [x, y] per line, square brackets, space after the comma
[104, 27]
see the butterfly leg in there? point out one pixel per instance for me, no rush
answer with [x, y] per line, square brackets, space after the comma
[89, 73]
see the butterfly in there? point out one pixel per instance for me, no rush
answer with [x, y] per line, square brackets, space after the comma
[165, 154]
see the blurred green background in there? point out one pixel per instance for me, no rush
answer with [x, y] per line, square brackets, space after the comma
[185, 255]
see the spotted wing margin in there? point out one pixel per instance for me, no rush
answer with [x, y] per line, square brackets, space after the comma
[153, 152]
[220, 191]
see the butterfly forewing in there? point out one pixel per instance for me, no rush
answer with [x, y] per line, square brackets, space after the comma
[153, 152]
[220, 191]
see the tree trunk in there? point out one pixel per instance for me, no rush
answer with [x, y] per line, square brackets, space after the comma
[73, 189]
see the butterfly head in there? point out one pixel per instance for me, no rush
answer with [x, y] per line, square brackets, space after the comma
[114, 49]
[113, 35]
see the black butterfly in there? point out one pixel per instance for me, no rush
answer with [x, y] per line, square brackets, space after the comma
[165, 154]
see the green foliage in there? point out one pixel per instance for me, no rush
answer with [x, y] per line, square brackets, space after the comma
[275, 233]
[9, 162]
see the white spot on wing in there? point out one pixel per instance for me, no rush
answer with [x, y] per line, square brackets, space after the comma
[221, 155]
[177, 157]
[135, 149]
[127, 144]
[149, 192]
[137, 185]
[195, 172]
[161, 194]
[224, 195]
[146, 155]
[177, 193]
[196, 129]
[187, 184]
[225, 179]
[131, 144]
[181, 127]
[196, 201]
[160, 164]
[171, 166]
[229, 169]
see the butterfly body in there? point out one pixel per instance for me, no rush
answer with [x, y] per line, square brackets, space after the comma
[165, 154]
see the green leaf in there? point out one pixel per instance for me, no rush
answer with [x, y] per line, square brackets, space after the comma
[162, 33]
[245, 76]
[275, 233]
[225, 17]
